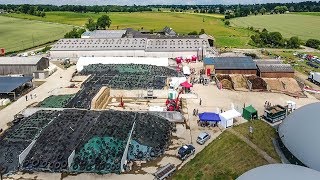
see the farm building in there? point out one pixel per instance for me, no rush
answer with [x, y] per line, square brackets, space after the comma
[132, 43]
[22, 65]
[230, 65]
[12, 87]
[298, 135]
[275, 70]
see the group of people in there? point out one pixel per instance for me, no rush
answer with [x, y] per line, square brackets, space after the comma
[267, 104]
[31, 96]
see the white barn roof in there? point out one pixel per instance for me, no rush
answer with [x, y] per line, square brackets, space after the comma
[19, 60]
[300, 132]
[280, 172]
[85, 61]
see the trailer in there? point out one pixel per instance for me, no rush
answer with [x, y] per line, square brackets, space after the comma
[314, 77]
[164, 172]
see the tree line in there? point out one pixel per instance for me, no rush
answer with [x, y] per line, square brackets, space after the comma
[243, 10]
[75, 8]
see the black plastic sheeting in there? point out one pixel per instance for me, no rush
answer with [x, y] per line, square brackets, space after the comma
[83, 98]
[18, 137]
[120, 76]
[98, 138]
[58, 140]
[107, 140]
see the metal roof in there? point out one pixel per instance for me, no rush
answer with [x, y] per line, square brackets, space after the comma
[268, 61]
[279, 172]
[275, 68]
[151, 45]
[300, 132]
[105, 33]
[8, 84]
[231, 62]
[20, 60]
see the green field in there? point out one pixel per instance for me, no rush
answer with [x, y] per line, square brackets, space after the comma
[18, 34]
[225, 158]
[303, 26]
[183, 23]
[309, 13]
[262, 136]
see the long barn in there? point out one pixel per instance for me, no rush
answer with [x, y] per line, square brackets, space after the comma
[22, 65]
[230, 65]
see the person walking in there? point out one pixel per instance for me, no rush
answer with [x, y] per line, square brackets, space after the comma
[26, 98]
[31, 96]
[200, 101]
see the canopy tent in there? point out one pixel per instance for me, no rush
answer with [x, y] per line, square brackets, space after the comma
[176, 81]
[249, 113]
[209, 116]
[227, 117]
[186, 84]
[186, 70]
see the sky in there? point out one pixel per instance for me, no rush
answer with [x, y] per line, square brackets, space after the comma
[141, 2]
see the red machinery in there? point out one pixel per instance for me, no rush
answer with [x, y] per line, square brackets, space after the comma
[173, 104]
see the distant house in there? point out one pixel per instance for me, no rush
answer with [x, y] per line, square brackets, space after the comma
[2, 11]
[169, 31]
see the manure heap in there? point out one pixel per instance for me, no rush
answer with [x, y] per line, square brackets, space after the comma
[120, 76]
[80, 141]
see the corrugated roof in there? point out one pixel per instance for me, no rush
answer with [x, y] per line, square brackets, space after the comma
[8, 84]
[275, 68]
[231, 62]
[150, 45]
[268, 61]
[105, 34]
[19, 60]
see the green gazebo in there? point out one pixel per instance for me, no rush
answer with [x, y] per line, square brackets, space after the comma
[250, 113]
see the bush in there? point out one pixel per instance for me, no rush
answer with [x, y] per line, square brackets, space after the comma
[193, 33]
[313, 43]
[227, 23]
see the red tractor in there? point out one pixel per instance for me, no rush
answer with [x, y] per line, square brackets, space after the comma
[174, 104]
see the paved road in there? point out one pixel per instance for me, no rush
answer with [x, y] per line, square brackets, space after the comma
[54, 82]
[255, 147]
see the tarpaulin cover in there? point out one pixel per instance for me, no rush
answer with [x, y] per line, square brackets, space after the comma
[209, 116]
[186, 84]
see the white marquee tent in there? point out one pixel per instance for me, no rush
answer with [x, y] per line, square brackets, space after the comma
[227, 117]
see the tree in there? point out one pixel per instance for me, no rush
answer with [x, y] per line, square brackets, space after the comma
[255, 12]
[193, 33]
[42, 14]
[202, 32]
[91, 25]
[222, 10]
[293, 42]
[263, 10]
[103, 22]
[313, 43]
[227, 23]
[75, 33]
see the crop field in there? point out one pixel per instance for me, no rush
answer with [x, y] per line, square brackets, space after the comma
[224, 158]
[183, 23]
[303, 26]
[18, 34]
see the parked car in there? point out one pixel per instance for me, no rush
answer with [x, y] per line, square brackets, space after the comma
[313, 65]
[185, 151]
[203, 138]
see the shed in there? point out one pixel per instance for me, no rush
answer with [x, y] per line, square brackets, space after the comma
[230, 65]
[22, 65]
[249, 113]
[13, 85]
[227, 117]
[275, 70]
